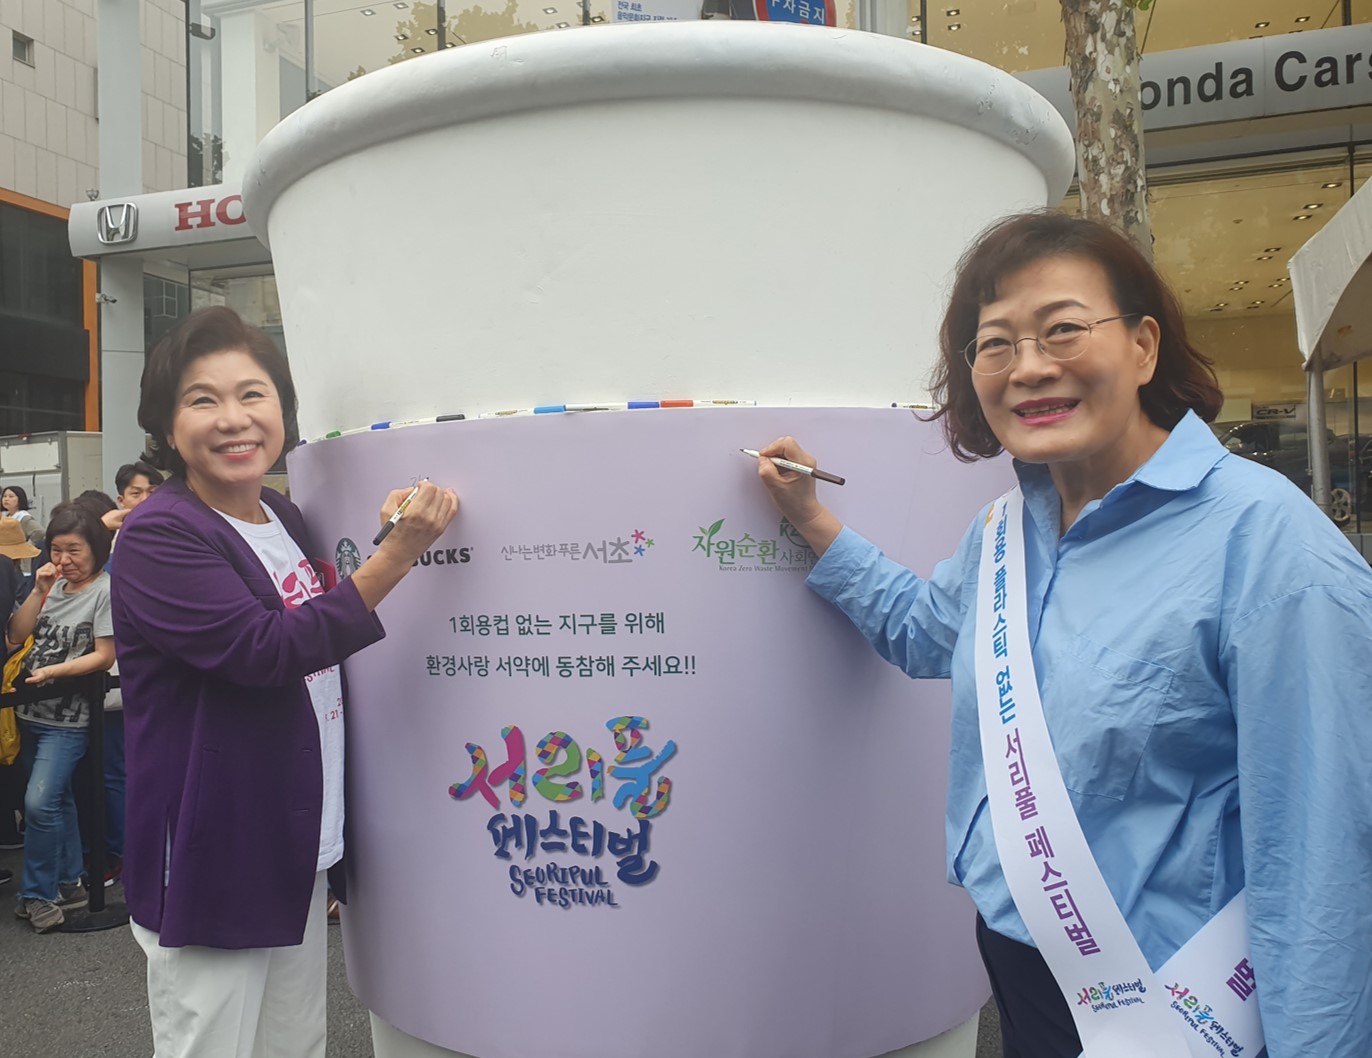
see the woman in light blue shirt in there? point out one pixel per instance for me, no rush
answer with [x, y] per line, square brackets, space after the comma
[1201, 633]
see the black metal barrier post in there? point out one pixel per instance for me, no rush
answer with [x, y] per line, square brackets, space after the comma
[97, 915]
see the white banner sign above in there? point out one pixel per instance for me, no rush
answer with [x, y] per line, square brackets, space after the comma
[656, 10]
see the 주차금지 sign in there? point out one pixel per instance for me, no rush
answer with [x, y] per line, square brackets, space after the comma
[806, 12]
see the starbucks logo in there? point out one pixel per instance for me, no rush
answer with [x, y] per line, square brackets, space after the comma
[346, 558]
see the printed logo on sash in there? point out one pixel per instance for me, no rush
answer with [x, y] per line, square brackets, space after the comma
[1118, 1004]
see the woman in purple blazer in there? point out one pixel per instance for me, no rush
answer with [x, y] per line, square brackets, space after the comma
[229, 650]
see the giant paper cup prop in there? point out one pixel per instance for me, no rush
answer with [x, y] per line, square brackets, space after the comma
[620, 785]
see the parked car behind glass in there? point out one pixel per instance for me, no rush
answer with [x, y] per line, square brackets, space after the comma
[1283, 446]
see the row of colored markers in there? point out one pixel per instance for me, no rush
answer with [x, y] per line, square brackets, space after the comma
[632, 405]
[551, 409]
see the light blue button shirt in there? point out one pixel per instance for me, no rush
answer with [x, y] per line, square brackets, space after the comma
[1203, 642]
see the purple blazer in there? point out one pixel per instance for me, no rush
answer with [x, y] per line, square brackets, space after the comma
[225, 782]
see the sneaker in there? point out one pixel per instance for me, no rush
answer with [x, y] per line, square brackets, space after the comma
[42, 915]
[115, 870]
[6, 876]
[71, 895]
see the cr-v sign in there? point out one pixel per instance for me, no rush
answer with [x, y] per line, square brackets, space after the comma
[206, 212]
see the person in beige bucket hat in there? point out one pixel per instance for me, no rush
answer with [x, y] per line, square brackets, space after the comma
[13, 542]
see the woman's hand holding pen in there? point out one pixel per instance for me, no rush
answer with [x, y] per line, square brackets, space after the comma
[794, 494]
[424, 519]
[428, 513]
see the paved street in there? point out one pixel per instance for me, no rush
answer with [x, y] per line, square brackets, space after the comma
[82, 995]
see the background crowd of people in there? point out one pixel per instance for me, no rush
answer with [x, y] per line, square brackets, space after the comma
[59, 629]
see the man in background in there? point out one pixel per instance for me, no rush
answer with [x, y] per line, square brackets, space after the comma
[134, 483]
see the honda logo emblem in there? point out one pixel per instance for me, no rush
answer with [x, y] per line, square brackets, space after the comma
[117, 223]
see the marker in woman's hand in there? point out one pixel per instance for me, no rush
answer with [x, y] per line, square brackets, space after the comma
[390, 522]
[799, 468]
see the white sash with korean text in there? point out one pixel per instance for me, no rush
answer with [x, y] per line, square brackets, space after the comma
[1201, 1002]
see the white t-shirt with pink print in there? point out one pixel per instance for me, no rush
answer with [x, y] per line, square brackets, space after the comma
[296, 581]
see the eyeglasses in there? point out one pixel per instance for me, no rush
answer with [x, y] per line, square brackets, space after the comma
[992, 354]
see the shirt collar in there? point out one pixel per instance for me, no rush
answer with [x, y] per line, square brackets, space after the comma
[1189, 453]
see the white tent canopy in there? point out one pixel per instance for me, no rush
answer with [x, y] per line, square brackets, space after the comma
[1331, 282]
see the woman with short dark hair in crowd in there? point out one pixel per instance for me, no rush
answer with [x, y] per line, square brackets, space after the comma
[14, 503]
[68, 615]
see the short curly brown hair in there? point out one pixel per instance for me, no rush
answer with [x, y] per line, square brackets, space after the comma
[203, 332]
[74, 518]
[1183, 381]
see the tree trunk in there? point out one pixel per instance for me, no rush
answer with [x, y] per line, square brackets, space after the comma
[1103, 61]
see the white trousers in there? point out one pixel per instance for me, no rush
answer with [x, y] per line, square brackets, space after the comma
[245, 1003]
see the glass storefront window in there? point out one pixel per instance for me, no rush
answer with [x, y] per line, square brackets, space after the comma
[1165, 27]
[39, 278]
[354, 40]
[165, 303]
[1017, 36]
[1348, 397]
[350, 42]
[252, 62]
[246, 63]
[1223, 236]
[249, 291]
[35, 404]
[1011, 35]
[1348, 418]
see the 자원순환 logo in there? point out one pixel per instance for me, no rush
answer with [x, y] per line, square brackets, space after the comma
[787, 552]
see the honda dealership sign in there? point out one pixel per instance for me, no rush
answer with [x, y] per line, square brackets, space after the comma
[160, 220]
[1325, 69]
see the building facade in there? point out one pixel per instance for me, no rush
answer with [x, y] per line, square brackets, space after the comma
[1258, 125]
[50, 158]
